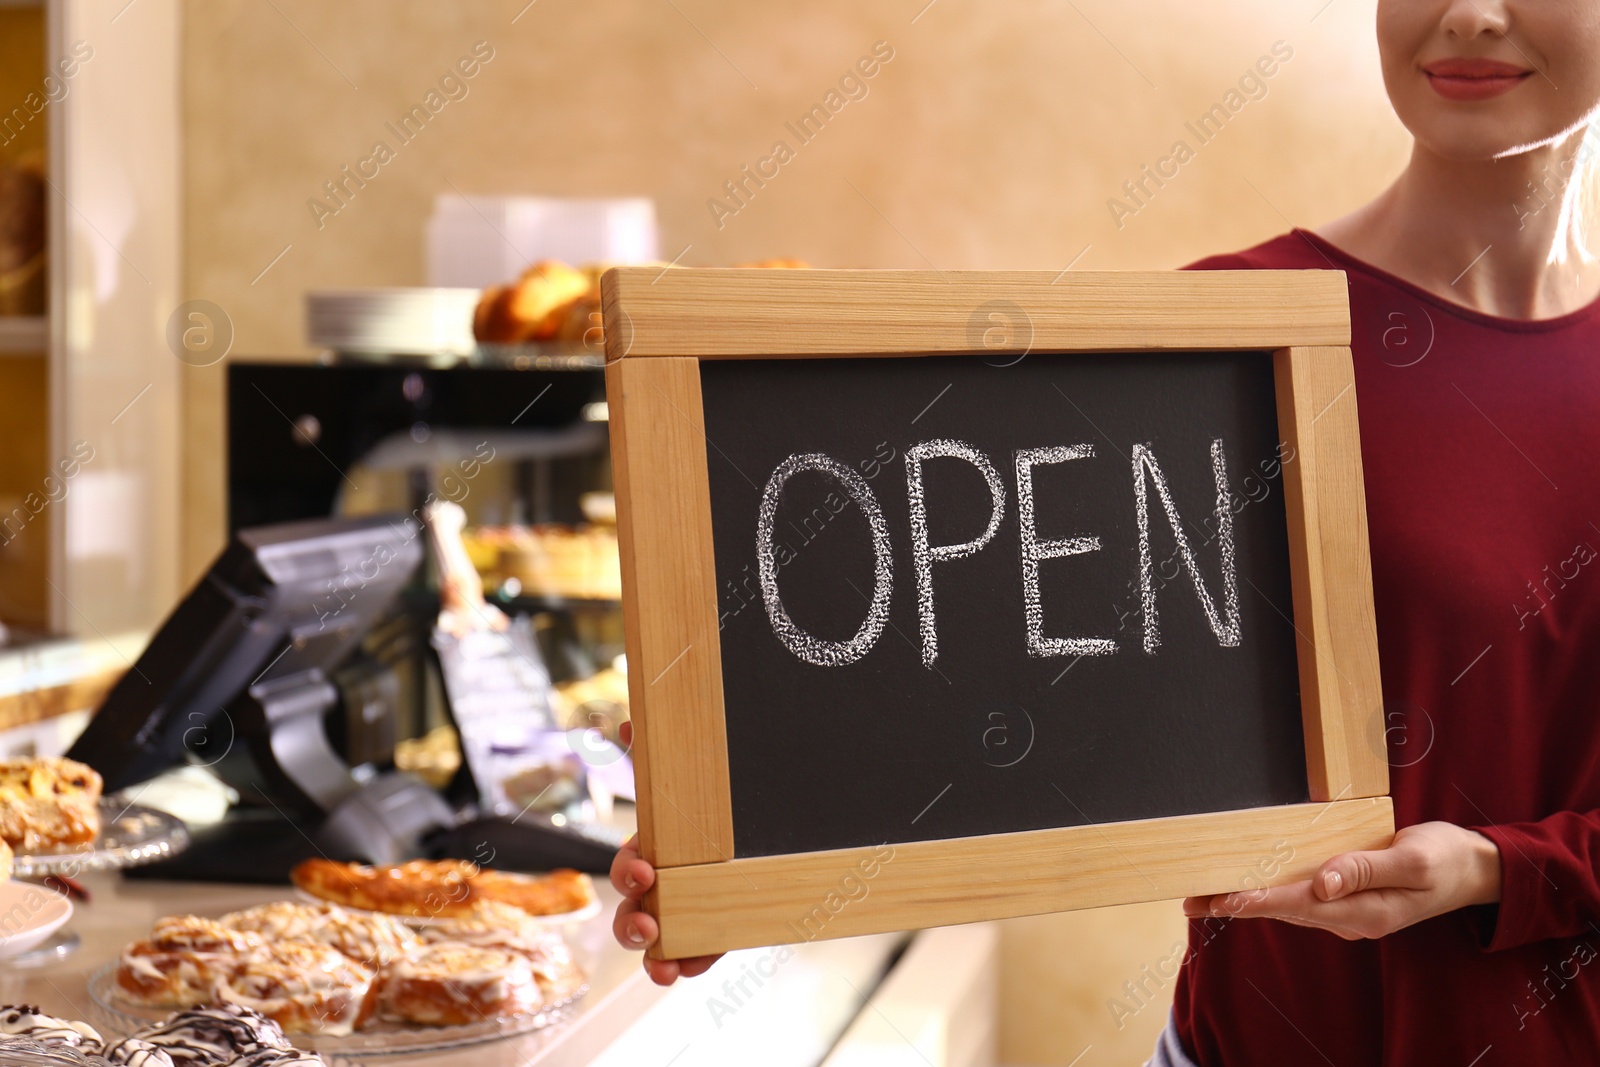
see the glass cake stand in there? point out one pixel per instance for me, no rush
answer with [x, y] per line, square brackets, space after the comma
[130, 835]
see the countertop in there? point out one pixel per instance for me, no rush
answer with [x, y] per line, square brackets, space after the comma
[123, 910]
[44, 679]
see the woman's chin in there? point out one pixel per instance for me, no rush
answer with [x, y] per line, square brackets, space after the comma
[1479, 138]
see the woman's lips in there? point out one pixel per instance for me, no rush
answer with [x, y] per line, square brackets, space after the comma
[1473, 79]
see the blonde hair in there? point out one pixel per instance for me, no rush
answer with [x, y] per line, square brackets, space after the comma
[1580, 200]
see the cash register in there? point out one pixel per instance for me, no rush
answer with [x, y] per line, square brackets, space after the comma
[296, 629]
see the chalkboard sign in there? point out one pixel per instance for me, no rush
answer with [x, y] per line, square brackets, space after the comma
[1004, 675]
[1067, 603]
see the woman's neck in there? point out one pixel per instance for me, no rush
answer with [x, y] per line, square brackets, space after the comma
[1499, 236]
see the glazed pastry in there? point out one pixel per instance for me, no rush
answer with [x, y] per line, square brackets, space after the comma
[495, 925]
[29, 1022]
[223, 1037]
[274, 1057]
[183, 961]
[452, 984]
[372, 940]
[136, 1053]
[159, 979]
[299, 967]
[48, 803]
[202, 1037]
[189, 962]
[192, 933]
[305, 988]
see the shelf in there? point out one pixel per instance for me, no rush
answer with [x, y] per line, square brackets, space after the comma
[24, 335]
[544, 356]
[522, 604]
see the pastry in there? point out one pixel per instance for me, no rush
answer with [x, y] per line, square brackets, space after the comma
[531, 309]
[301, 968]
[556, 893]
[540, 297]
[218, 1037]
[304, 987]
[47, 803]
[557, 560]
[196, 934]
[423, 889]
[553, 301]
[452, 984]
[276, 1057]
[135, 1053]
[183, 960]
[24, 1020]
[202, 1036]
[154, 978]
[441, 889]
[7, 860]
[491, 319]
[493, 924]
[582, 323]
[368, 939]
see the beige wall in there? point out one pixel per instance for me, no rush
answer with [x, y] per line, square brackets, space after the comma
[994, 138]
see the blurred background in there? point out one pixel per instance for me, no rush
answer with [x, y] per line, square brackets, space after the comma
[165, 160]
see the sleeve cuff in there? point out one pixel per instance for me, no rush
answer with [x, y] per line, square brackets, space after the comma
[1495, 925]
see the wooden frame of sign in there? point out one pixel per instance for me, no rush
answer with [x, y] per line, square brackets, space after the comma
[659, 325]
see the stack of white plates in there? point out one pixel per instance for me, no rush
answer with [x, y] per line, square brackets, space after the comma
[421, 322]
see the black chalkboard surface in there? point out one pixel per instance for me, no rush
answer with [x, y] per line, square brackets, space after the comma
[968, 724]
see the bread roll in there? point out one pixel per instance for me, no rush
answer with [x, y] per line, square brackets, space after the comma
[368, 939]
[47, 803]
[453, 984]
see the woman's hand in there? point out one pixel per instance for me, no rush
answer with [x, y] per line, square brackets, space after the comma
[635, 928]
[1429, 869]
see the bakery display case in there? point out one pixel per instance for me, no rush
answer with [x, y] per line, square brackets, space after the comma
[523, 453]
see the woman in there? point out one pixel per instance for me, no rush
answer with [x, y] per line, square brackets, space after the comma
[1475, 312]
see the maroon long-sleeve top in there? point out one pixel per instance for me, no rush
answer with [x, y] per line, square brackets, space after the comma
[1480, 440]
